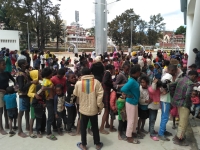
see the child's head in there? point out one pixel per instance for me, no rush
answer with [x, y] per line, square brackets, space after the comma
[111, 68]
[61, 73]
[71, 77]
[47, 73]
[10, 90]
[151, 67]
[194, 93]
[193, 67]
[59, 90]
[22, 63]
[172, 69]
[135, 71]
[166, 62]
[156, 65]
[144, 81]
[2, 64]
[90, 60]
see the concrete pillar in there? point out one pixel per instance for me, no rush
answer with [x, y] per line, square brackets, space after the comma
[100, 18]
[195, 36]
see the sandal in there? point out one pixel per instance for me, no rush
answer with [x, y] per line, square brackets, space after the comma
[181, 142]
[100, 146]
[12, 133]
[113, 129]
[52, 137]
[155, 138]
[33, 136]
[79, 145]
[103, 132]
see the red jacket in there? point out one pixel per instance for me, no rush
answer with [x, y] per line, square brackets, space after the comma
[195, 100]
[113, 98]
[55, 80]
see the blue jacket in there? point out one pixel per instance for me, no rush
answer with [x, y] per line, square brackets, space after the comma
[157, 74]
[132, 90]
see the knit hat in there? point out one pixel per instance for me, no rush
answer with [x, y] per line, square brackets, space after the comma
[97, 59]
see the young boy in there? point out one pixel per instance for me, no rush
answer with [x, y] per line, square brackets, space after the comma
[4, 80]
[23, 83]
[70, 101]
[48, 87]
[34, 75]
[90, 92]
[39, 105]
[11, 107]
[59, 107]
[165, 101]
[157, 70]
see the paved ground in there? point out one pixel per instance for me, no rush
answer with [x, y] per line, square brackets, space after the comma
[110, 141]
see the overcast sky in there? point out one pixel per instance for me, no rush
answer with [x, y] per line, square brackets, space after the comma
[169, 9]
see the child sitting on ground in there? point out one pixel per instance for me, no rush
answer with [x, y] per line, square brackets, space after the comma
[39, 105]
[143, 111]
[11, 107]
[121, 116]
[195, 103]
[59, 108]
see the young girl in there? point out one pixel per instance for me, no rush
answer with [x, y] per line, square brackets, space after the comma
[174, 114]
[121, 116]
[116, 65]
[195, 103]
[143, 104]
[11, 107]
[113, 110]
[70, 101]
[154, 96]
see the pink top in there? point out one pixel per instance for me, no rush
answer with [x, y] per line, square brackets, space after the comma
[116, 65]
[90, 64]
[154, 94]
[195, 100]
[184, 61]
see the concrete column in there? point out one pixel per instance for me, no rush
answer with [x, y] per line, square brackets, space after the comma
[195, 36]
[100, 15]
[188, 33]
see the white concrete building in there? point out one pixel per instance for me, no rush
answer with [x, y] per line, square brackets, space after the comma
[191, 9]
[9, 39]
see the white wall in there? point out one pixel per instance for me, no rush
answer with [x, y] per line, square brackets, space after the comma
[9, 39]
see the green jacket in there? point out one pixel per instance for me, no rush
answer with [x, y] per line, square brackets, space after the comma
[120, 105]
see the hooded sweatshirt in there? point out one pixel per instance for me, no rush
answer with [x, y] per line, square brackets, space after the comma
[90, 92]
[32, 88]
[158, 72]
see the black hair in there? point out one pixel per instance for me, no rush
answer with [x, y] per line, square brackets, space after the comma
[21, 62]
[126, 65]
[69, 74]
[46, 72]
[195, 91]
[159, 83]
[2, 60]
[76, 54]
[166, 62]
[61, 72]
[135, 68]
[195, 49]
[86, 71]
[59, 86]
[150, 66]
[192, 72]
[90, 59]
[109, 67]
[145, 78]
[10, 90]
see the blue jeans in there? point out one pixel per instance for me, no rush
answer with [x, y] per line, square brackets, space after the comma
[152, 120]
[165, 108]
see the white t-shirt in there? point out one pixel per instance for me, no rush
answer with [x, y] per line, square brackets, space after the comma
[42, 59]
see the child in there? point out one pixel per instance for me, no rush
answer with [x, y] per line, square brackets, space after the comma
[39, 105]
[174, 114]
[90, 92]
[195, 103]
[34, 75]
[90, 62]
[48, 87]
[113, 109]
[121, 116]
[154, 96]
[11, 107]
[59, 107]
[70, 101]
[157, 70]
[143, 111]
[116, 65]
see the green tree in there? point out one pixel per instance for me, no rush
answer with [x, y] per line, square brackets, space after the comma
[155, 26]
[181, 30]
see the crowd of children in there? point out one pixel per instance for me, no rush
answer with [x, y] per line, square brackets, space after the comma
[134, 87]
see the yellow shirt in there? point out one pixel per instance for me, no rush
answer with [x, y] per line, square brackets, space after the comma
[47, 83]
[46, 56]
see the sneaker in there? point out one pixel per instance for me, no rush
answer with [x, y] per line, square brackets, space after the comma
[163, 138]
[155, 138]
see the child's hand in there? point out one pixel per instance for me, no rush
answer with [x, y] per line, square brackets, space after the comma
[37, 96]
[155, 80]
[147, 101]
[35, 82]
